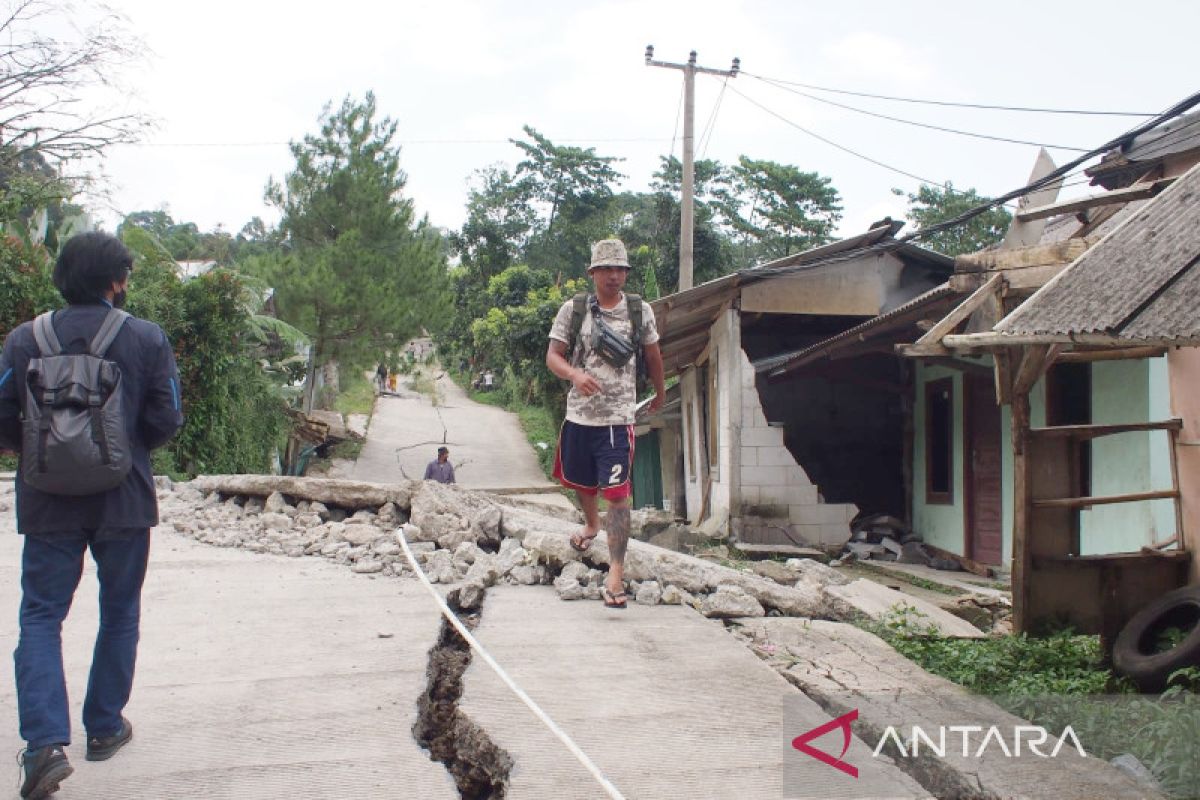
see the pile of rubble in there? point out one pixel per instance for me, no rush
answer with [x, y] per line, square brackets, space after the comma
[471, 539]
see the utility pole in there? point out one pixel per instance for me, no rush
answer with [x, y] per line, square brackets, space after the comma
[687, 223]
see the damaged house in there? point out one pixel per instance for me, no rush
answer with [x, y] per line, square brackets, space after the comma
[786, 463]
[1049, 387]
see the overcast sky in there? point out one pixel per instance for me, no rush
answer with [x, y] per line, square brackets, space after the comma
[230, 83]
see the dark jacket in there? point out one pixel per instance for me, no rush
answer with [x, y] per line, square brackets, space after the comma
[150, 382]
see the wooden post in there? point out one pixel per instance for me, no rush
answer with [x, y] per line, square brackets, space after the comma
[1022, 562]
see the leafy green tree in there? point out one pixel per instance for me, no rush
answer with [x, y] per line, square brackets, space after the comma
[778, 209]
[931, 205]
[25, 286]
[500, 220]
[233, 416]
[360, 275]
[574, 188]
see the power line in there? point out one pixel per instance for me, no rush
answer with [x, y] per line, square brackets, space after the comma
[1174, 111]
[972, 134]
[956, 104]
[832, 143]
[678, 112]
[706, 136]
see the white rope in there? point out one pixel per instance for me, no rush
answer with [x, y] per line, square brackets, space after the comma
[453, 619]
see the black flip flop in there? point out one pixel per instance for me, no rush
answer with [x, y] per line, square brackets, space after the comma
[611, 601]
[584, 547]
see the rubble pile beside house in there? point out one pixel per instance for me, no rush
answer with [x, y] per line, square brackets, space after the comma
[465, 538]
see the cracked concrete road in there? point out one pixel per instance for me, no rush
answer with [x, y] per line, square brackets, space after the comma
[665, 702]
[258, 677]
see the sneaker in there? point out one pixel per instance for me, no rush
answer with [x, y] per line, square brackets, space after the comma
[102, 748]
[45, 769]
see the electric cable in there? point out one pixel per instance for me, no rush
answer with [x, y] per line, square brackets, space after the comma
[706, 137]
[678, 114]
[984, 106]
[923, 124]
[1176, 110]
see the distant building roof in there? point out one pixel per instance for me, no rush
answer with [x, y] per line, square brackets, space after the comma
[1138, 284]
[1120, 168]
[194, 268]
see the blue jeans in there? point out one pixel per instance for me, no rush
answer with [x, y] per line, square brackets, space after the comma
[50, 570]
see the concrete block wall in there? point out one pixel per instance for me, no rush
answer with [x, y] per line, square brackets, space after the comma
[771, 478]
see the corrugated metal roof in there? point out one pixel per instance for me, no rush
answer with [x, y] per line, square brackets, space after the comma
[1140, 283]
[907, 313]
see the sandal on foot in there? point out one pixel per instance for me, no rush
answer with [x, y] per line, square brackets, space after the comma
[581, 543]
[618, 600]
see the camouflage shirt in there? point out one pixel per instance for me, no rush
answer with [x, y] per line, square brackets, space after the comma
[614, 403]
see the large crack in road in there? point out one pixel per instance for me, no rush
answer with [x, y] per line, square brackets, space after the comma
[479, 767]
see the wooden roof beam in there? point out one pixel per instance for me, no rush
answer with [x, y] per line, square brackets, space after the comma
[1129, 194]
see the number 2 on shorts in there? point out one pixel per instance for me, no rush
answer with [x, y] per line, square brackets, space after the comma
[615, 477]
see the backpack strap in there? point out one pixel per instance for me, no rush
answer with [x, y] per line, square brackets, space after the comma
[635, 317]
[578, 309]
[44, 335]
[108, 331]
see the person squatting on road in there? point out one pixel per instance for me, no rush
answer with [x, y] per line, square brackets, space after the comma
[595, 445]
[440, 469]
[92, 273]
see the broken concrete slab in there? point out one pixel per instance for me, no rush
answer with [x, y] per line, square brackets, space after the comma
[627, 687]
[843, 667]
[330, 491]
[878, 602]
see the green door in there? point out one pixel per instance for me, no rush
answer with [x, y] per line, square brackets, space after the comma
[647, 472]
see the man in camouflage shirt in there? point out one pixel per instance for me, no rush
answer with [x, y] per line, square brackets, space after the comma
[595, 446]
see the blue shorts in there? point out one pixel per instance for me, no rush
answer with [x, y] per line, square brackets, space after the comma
[595, 459]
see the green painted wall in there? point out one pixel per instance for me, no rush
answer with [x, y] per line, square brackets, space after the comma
[1122, 392]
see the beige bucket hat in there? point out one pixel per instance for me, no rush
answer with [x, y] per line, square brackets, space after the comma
[609, 253]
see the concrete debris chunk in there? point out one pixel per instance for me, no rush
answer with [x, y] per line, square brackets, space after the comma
[729, 602]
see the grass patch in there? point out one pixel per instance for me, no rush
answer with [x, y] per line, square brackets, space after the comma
[356, 395]
[8, 462]
[1059, 680]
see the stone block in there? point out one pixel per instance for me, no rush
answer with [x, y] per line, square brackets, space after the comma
[775, 456]
[761, 437]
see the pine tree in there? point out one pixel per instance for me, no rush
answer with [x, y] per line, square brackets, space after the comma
[359, 276]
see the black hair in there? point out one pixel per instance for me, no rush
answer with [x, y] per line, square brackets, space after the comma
[88, 264]
[443, 450]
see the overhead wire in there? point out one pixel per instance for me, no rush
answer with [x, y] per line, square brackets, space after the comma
[927, 125]
[984, 106]
[678, 114]
[706, 137]
[1175, 110]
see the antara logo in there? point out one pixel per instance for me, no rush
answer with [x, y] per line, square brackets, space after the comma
[801, 743]
[1033, 737]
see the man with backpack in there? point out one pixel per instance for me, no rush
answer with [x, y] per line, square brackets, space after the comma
[594, 344]
[85, 394]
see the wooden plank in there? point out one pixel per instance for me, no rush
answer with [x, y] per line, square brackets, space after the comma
[923, 351]
[1002, 361]
[1116, 354]
[1104, 500]
[1033, 362]
[963, 310]
[1020, 280]
[958, 364]
[1128, 194]
[1020, 232]
[1173, 438]
[1041, 255]
[1119, 559]
[1022, 562]
[974, 567]
[1082, 432]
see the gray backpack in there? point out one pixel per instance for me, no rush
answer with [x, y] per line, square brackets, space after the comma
[73, 436]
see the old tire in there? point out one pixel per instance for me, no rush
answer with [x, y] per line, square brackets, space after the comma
[1135, 653]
